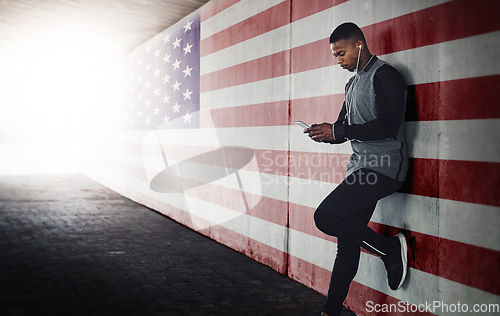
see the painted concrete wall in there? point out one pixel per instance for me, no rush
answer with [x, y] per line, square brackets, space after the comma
[246, 176]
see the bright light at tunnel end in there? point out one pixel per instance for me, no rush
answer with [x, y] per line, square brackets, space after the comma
[48, 106]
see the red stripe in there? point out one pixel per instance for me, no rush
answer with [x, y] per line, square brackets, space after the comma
[301, 219]
[300, 8]
[459, 99]
[459, 180]
[256, 250]
[313, 55]
[267, 161]
[425, 27]
[450, 259]
[267, 67]
[449, 99]
[318, 279]
[254, 205]
[305, 8]
[482, 181]
[263, 22]
[325, 167]
[433, 25]
[264, 114]
[316, 109]
[317, 54]
[423, 178]
[454, 100]
[238, 200]
[309, 274]
[197, 154]
[423, 252]
[213, 7]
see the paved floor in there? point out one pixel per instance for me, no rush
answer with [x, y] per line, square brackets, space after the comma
[69, 246]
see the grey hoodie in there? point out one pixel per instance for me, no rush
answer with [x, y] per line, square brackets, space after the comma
[372, 118]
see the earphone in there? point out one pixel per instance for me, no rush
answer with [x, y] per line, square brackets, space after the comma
[359, 54]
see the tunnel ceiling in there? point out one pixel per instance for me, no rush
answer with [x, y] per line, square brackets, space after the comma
[124, 24]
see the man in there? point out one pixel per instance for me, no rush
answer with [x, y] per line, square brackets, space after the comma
[372, 119]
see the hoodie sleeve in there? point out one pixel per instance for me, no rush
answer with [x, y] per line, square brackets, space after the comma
[337, 129]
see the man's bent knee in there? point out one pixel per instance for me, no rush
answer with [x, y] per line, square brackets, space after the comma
[324, 221]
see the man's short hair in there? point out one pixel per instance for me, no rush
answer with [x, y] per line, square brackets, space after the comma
[347, 31]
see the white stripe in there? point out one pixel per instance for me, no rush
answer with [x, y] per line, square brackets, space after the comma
[362, 12]
[448, 60]
[469, 223]
[268, 185]
[319, 82]
[236, 13]
[310, 29]
[260, 137]
[254, 137]
[268, 233]
[474, 224]
[472, 140]
[453, 140]
[433, 63]
[269, 90]
[418, 288]
[271, 185]
[420, 65]
[266, 44]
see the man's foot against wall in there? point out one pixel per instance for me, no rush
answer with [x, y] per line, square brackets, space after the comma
[396, 263]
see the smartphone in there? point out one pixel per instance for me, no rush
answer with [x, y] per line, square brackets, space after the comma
[302, 124]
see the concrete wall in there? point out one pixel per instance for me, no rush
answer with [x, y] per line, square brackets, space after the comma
[247, 177]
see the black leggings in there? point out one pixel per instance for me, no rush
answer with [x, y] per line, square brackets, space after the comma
[345, 213]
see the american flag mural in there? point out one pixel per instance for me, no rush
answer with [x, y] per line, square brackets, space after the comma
[160, 81]
[206, 137]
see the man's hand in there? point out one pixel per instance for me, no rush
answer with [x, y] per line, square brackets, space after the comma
[320, 132]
